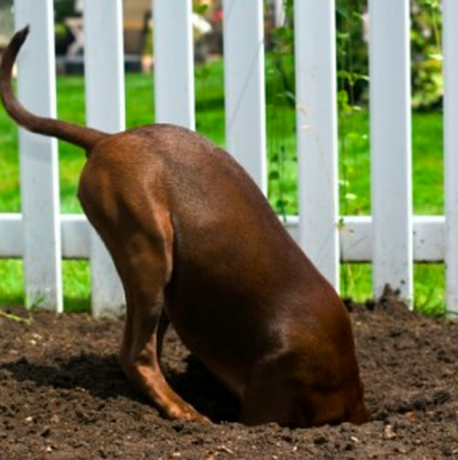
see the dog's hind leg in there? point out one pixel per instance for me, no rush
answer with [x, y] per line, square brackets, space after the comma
[145, 273]
[144, 281]
[139, 235]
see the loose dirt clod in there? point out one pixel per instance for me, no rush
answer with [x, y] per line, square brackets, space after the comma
[63, 396]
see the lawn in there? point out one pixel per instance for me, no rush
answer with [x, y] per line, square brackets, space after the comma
[354, 172]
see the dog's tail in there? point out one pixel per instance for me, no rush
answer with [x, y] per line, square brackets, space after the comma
[75, 134]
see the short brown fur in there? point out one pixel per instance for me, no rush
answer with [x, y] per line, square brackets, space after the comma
[196, 244]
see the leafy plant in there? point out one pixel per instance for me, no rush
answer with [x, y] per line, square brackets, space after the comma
[19, 319]
[427, 80]
[352, 82]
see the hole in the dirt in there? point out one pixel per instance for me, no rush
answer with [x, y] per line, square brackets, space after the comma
[199, 388]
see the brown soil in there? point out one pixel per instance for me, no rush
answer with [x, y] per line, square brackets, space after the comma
[63, 396]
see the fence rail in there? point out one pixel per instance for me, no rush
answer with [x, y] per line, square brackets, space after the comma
[392, 239]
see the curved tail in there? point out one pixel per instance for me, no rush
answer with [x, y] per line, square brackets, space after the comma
[75, 134]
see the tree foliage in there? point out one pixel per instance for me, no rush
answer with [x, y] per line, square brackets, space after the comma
[353, 24]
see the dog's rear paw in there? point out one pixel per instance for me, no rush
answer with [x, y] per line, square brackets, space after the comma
[185, 413]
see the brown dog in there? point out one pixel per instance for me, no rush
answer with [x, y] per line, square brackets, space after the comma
[196, 244]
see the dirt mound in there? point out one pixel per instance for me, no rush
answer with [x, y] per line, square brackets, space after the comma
[63, 396]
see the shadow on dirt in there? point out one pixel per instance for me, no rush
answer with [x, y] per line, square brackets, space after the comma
[102, 377]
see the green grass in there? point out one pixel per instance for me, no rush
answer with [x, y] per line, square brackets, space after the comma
[354, 171]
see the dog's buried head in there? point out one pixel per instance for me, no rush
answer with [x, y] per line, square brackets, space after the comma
[196, 244]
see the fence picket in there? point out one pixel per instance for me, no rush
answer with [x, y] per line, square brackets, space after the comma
[450, 38]
[105, 110]
[174, 63]
[391, 174]
[39, 162]
[316, 121]
[244, 86]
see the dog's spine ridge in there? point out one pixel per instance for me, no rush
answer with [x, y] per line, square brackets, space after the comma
[75, 134]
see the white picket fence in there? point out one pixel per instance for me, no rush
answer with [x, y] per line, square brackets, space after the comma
[392, 238]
